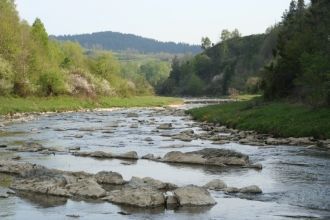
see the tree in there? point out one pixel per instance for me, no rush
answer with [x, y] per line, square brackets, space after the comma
[301, 5]
[106, 66]
[206, 43]
[301, 67]
[225, 35]
[175, 72]
[39, 33]
[9, 30]
[235, 33]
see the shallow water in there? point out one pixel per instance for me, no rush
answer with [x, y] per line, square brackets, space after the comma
[295, 180]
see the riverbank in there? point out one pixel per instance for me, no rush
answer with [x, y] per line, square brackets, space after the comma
[10, 105]
[277, 118]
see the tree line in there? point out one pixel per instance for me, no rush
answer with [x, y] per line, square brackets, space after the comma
[291, 60]
[116, 41]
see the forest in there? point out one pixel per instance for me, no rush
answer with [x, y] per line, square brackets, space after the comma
[289, 61]
[116, 41]
[33, 64]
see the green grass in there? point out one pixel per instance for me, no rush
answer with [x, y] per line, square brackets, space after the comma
[277, 118]
[65, 103]
[245, 97]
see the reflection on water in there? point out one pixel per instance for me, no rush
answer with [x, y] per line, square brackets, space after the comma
[295, 180]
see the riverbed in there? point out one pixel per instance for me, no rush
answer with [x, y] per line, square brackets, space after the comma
[295, 180]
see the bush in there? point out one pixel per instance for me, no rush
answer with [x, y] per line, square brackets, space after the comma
[6, 77]
[52, 83]
[252, 85]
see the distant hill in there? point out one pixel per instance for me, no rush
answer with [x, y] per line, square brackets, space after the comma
[120, 42]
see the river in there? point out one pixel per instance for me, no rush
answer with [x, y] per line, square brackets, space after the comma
[295, 180]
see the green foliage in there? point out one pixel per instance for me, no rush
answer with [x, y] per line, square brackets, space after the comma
[227, 35]
[32, 64]
[73, 55]
[155, 72]
[206, 43]
[119, 42]
[105, 65]
[194, 86]
[278, 118]
[10, 29]
[223, 67]
[6, 77]
[39, 33]
[301, 66]
[66, 103]
[52, 83]
[253, 85]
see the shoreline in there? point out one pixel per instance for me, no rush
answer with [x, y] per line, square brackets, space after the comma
[278, 119]
[216, 132]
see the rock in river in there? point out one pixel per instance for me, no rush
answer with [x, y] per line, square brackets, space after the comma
[208, 156]
[137, 182]
[105, 177]
[39, 179]
[146, 197]
[215, 185]
[4, 192]
[251, 189]
[193, 196]
[132, 155]
[132, 115]
[165, 126]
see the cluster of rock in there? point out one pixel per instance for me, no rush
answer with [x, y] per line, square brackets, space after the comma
[140, 192]
[219, 185]
[222, 135]
[206, 156]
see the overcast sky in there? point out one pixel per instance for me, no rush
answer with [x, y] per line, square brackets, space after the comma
[165, 20]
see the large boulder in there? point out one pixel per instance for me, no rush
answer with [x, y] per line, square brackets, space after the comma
[39, 179]
[145, 197]
[16, 168]
[49, 186]
[208, 156]
[105, 177]
[193, 196]
[60, 183]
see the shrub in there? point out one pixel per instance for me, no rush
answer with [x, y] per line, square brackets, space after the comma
[52, 83]
[6, 77]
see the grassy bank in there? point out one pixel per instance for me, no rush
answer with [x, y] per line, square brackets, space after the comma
[278, 118]
[66, 103]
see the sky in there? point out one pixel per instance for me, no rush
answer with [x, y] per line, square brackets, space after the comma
[165, 20]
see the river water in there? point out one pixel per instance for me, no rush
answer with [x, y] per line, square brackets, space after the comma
[295, 180]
